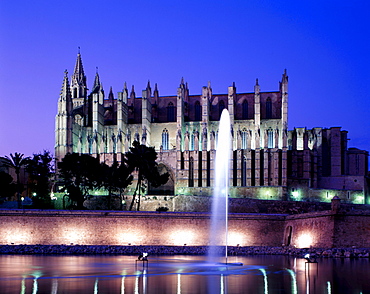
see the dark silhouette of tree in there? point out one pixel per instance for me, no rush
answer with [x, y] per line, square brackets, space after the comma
[115, 178]
[8, 188]
[40, 169]
[80, 174]
[16, 161]
[142, 159]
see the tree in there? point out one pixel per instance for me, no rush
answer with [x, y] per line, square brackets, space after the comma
[115, 178]
[41, 170]
[80, 173]
[16, 161]
[8, 188]
[142, 159]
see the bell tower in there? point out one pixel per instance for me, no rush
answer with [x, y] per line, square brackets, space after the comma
[78, 85]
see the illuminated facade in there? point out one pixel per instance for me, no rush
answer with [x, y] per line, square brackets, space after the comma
[268, 161]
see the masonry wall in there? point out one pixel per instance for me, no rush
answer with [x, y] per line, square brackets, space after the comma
[352, 229]
[310, 229]
[325, 229]
[135, 228]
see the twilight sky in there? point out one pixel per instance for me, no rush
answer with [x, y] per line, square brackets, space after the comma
[324, 45]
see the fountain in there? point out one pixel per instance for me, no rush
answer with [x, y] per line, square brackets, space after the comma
[221, 189]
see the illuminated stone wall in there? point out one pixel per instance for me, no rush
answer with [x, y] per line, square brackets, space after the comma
[327, 229]
[135, 228]
[309, 229]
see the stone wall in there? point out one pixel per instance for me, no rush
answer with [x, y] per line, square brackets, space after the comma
[133, 228]
[352, 229]
[338, 227]
[309, 229]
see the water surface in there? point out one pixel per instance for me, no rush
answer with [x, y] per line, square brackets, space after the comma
[180, 274]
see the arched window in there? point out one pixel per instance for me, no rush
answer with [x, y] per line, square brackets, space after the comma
[192, 141]
[114, 141]
[245, 109]
[170, 112]
[191, 172]
[165, 139]
[270, 138]
[244, 138]
[198, 111]
[221, 106]
[90, 142]
[244, 171]
[268, 108]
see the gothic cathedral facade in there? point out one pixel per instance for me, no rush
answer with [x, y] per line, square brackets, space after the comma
[268, 161]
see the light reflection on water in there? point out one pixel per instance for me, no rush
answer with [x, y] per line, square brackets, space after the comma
[180, 275]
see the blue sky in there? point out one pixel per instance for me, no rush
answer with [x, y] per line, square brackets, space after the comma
[324, 45]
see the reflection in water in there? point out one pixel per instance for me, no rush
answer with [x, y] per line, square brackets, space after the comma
[222, 286]
[265, 283]
[294, 280]
[36, 275]
[23, 285]
[329, 287]
[137, 285]
[54, 286]
[123, 285]
[178, 284]
[180, 274]
[96, 286]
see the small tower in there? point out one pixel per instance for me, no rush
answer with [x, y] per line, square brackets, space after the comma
[63, 121]
[78, 86]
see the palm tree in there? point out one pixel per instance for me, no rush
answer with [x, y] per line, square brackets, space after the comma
[16, 161]
[142, 159]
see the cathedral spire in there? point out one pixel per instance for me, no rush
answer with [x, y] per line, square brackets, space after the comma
[65, 93]
[285, 77]
[79, 74]
[110, 95]
[97, 84]
[132, 93]
[79, 86]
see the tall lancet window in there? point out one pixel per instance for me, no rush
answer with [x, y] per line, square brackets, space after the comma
[90, 142]
[245, 109]
[192, 141]
[114, 141]
[244, 138]
[191, 172]
[198, 111]
[165, 139]
[221, 106]
[170, 112]
[270, 138]
[268, 108]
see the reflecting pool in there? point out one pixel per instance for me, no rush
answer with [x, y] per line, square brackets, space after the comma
[181, 274]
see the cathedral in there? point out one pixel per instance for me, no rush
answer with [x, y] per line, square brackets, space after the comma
[268, 161]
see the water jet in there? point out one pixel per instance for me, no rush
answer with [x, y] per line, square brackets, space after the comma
[219, 216]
